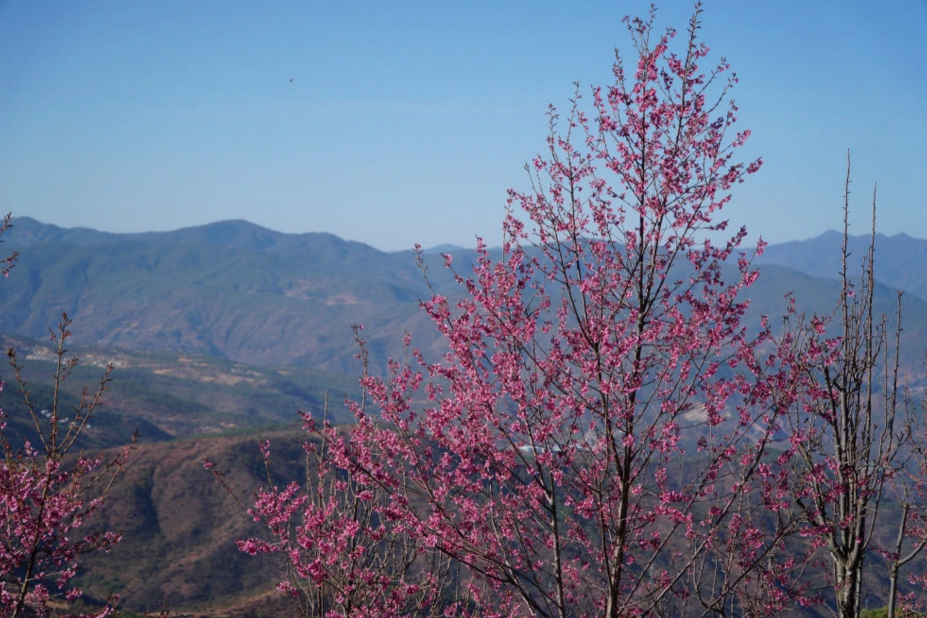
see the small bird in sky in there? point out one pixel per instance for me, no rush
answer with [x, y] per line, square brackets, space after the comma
[291, 80]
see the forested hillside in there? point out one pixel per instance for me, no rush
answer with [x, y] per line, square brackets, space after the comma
[247, 294]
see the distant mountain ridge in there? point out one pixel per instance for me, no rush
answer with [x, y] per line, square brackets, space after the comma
[229, 232]
[236, 290]
[227, 289]
[900, 260]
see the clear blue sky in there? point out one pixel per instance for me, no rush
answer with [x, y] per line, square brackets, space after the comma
[406, 121]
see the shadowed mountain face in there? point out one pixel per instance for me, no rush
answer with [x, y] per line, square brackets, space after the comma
[251, 295]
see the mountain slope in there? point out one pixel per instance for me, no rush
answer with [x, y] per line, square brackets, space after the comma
[179, 528]
[235, 290]
[229, 289]
[168, 395]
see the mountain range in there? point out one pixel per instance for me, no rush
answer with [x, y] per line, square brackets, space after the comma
[251, 295]
[900, 261]
[220, 333]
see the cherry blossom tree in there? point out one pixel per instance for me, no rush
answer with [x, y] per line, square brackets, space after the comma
[48, 491]
[857, 440]
[908, 489]
[593, 442]
[343, 555]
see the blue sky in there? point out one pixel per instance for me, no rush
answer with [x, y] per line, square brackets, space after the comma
[406, 122]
